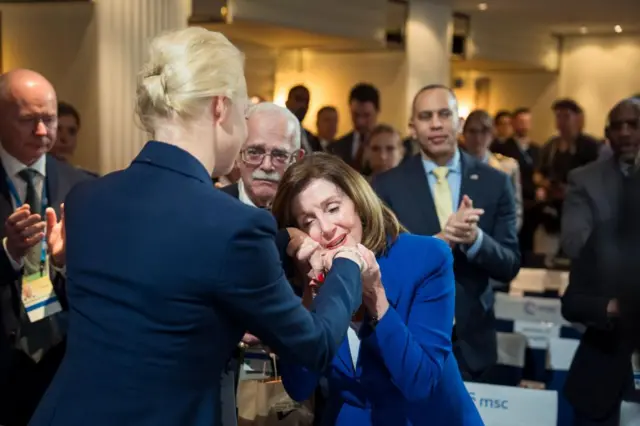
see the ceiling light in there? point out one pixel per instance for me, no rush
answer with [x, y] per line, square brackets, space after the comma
[617, 29]
[583, 30]
[483, 6]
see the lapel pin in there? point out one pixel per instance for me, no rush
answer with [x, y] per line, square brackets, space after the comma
[473, 177]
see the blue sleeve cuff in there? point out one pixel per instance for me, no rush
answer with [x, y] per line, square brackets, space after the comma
[472, 251]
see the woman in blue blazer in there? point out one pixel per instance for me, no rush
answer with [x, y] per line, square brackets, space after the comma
[395, 367]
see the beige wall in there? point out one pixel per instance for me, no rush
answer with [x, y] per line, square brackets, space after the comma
[330, 77]
[59, 41]
[598, 72]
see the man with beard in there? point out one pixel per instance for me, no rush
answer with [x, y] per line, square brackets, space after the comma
[273, 144]
[593, 190]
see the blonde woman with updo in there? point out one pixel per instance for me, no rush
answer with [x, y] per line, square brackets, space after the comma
[165, 273]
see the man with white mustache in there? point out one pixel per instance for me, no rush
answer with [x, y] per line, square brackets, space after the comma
[273, 144]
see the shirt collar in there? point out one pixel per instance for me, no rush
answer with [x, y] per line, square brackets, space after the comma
[13, 166]
[243, 196]
[453, 164]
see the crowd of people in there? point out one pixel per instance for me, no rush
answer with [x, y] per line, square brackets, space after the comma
[368, 263]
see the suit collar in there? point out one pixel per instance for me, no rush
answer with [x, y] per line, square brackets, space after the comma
[453, 164]
[172, 158]
[52, 182]
[232, 190]
[12, 166]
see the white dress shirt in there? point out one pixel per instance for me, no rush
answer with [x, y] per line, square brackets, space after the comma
[12, 167]
[243, 196]
[354, 342]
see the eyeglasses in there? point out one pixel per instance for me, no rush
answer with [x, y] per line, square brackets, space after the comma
[255, 156]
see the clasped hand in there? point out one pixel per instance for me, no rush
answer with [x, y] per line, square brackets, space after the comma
[25, 230]
[462, 226]
[314, 262]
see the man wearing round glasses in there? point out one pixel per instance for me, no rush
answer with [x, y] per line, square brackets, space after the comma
[273, 144]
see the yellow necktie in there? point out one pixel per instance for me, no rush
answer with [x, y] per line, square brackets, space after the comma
[442, 195]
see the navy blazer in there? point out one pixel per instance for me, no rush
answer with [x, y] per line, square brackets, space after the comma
[165, 273]
[406, 191]
[405, 371]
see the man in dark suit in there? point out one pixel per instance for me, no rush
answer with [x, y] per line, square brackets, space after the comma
[364, 103]
[521, 148]
[425, 191]
[30, 352]
[298, 104]
[593, 193]
[327, 126]
[596, 232]
[600, 376]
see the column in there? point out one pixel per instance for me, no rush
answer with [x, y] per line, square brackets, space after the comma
[428, 45]
[124, 29]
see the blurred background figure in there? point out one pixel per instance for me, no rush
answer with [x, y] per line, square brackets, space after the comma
[327, 126]
[478, 134]
[503, 129]
[68, 128]
[385, 149]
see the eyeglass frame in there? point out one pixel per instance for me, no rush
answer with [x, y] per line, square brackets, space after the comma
[293, 157]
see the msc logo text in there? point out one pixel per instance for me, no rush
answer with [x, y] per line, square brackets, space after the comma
[496, 403]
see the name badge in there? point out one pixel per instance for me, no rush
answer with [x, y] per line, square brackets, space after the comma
[635, 363]
[38, 296]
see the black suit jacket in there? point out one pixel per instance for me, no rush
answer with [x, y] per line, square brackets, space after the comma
[528, 160]
[232, 190]
[607, 268]
[600, 373]
[314, 142]
[60, 178]
[343, 148]
[406, 191]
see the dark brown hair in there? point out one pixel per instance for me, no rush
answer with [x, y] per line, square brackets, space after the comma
[378, 221]
[481, 117]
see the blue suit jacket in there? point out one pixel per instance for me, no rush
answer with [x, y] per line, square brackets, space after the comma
[406, 191]
[405, 370]
[165, 273]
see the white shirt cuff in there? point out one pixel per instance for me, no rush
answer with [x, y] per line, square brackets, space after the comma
[17, 266]
[60, 270]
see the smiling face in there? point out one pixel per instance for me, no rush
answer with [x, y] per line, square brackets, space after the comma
[326, 214]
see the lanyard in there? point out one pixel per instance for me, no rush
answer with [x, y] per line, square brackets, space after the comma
[43, 207]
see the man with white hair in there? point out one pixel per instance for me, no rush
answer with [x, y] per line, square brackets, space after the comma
[273, 144]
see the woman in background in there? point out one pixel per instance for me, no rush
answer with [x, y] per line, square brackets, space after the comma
[395, 367]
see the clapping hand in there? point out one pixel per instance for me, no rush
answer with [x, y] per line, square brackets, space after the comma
[462, 226]
[23, 230]
[56, 236]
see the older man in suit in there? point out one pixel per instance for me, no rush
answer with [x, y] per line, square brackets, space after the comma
[595, 232]
[470, 205]
[32, 181]
[594, 190]
[273, 144]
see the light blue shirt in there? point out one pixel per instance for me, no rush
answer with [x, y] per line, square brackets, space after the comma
[454, 177]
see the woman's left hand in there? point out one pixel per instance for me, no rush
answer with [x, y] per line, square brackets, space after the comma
[374, 296]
